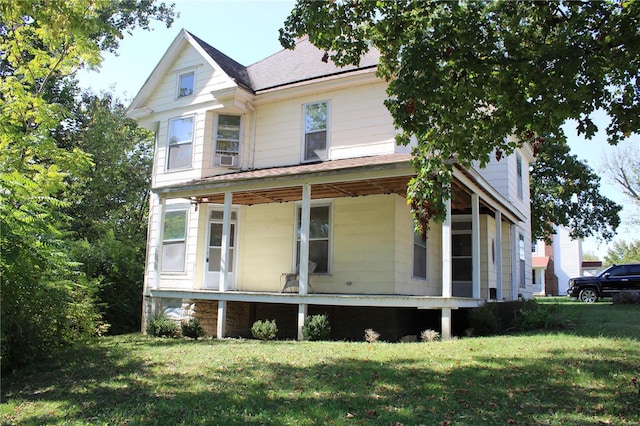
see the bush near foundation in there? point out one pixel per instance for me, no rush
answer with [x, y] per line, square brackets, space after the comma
[513, 316]
[162, 326]
[192, 328]
[316, 327]
[264, 330]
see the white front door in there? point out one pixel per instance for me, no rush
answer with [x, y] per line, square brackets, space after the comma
[214, 251]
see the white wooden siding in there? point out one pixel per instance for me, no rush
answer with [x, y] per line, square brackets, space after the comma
[359, 125]
[207, 79]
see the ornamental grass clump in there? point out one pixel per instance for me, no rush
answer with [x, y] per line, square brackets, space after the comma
[429, 336]
[371, 335]
[264, 330]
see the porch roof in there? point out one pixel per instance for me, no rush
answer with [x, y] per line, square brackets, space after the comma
[351, 177]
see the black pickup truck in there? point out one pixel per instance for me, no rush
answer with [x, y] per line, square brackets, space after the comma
[610, 281]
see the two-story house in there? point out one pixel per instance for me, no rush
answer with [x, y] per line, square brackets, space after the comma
[278, 191]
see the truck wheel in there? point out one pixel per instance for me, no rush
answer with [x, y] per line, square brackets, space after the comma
[588, 295]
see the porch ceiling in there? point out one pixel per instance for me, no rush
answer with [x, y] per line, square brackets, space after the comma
[358, 188]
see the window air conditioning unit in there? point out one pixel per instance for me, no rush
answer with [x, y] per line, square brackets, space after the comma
[229, 160]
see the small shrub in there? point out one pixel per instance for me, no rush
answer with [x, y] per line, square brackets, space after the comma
[162, 326]
[371, 336]
[540, 317]
[484, 320]
[192, 328]
[627, 298]
[264, 330]
[316, 327]
[429, 336]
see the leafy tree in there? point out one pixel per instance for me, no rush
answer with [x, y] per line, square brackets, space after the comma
[109, 203]
[46, 301]
[471, 79]
[588, 256]
[621, 252]
[565, 191]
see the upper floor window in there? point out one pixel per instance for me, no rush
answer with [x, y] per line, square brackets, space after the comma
[180, 143]
[174, 237]
[227, 140]
[419, 256]
[520, 181]
[315, 131]
[186, 84]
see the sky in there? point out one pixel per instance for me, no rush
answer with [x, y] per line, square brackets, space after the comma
[247, 31]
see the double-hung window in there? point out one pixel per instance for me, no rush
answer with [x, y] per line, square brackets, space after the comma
[319, 237]
[419, 256]
[227, 141]
[174, 238]
[180, 143]
[315, 131]
[520, 181]
[186, 84]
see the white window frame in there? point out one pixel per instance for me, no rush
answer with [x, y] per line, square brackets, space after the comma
[179, 94]
[424, 245]
[522, 276]
[296, 238]
[519, 172]
[164, 241]
[304, 155]
[177, 143]
[216, 154]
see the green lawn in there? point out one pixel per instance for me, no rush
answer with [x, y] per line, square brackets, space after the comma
[585, 376]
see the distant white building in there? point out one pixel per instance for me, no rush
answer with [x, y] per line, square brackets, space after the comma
[553, 265]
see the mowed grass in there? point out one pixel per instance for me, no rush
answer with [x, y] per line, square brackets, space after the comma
[588, 375]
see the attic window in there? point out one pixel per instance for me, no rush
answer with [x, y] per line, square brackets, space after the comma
[185, 84]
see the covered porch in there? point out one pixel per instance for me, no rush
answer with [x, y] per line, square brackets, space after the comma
[475, 233]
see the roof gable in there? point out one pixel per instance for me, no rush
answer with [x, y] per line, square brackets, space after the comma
[303, 63]
[216, 59]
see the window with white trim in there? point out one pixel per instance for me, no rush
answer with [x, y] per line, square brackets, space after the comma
[521, 263]
[319, 237]
[315, 131]
[180, 143]
[186, 83]
[227, 138]
[520, 180]
[419, 256]
[174, 239]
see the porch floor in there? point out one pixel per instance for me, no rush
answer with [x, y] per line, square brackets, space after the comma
[377, 300]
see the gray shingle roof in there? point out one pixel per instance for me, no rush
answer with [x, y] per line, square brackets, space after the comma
[285, 67]
[232, 68]
[301, 64]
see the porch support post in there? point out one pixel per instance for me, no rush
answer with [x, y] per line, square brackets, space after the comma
[498, 254]
[475, 245]
[446, 252]
[302, 315]
[514, 263]
[154, 254]
[221, 323]
[446, 324]
[303, 275]
[224, 250]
